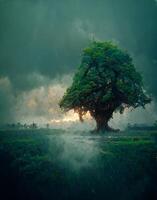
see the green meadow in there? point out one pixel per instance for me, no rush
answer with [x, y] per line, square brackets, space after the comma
[57, 164]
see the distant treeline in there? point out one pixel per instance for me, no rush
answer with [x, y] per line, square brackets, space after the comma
[142, 127]
[12, 126]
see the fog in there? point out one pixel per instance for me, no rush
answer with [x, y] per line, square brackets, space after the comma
[73, 151]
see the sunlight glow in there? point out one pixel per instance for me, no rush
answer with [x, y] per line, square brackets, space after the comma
[71, 116]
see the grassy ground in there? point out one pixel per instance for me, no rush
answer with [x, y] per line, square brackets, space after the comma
[56, 164]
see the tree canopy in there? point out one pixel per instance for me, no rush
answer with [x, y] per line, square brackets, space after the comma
[106, 81]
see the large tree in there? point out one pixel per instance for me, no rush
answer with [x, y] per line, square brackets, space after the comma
[106, 81]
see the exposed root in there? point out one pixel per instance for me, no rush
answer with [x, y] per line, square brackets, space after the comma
[105, 129]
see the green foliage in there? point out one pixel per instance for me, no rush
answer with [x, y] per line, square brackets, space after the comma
[106, 78]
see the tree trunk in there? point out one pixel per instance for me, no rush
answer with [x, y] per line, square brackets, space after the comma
[102, 123]
[102, 119]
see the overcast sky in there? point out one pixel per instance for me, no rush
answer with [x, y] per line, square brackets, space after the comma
[41, 43]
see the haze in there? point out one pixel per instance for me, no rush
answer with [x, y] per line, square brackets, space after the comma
[40, 49]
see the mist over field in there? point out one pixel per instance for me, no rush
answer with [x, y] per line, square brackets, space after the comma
[47, 154]
[40, 49]
[58, 164]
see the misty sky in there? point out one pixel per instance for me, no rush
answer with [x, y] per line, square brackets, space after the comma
[41, 43]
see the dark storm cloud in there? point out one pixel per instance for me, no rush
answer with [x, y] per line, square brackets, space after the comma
[41, 39]
[38, 36]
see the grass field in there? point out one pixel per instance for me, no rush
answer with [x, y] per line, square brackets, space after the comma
[56, 164]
